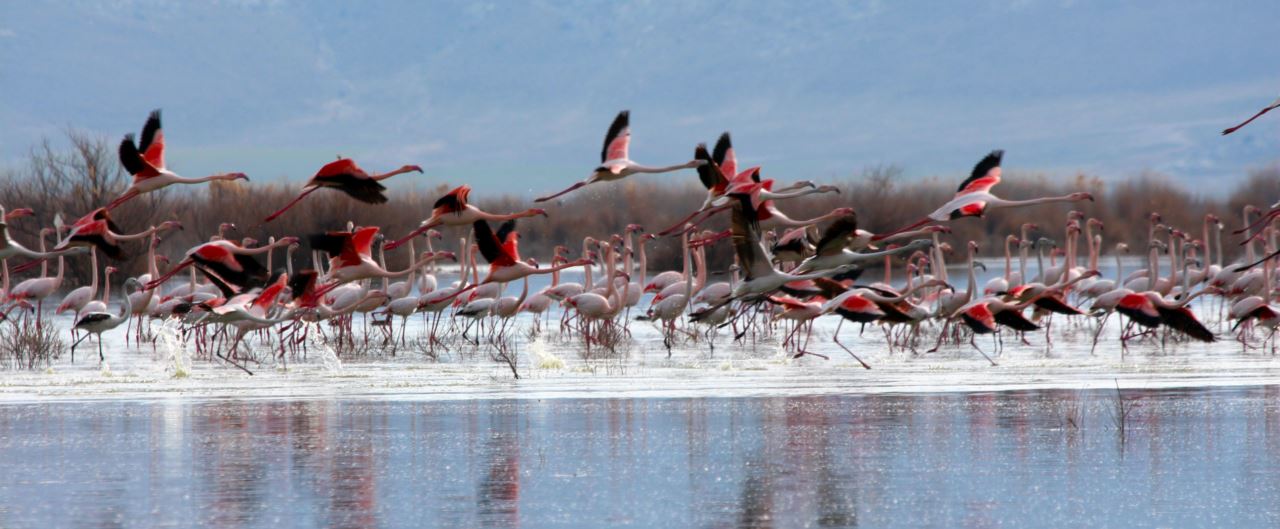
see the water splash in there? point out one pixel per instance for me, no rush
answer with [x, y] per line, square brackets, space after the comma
[328, 357]
[544, 359]
[178, 364]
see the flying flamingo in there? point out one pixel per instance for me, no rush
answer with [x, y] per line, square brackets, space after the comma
[615, 164]
[832, 248]
[145, 161]
[501, 250]
[231, 266]
[344, 175]
[351, 257]
[1266, 109]
[974, 197]
[453, 209]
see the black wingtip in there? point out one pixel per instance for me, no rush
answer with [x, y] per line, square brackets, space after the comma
[723, 144]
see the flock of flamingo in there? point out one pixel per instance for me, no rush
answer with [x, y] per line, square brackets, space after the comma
[786, 272]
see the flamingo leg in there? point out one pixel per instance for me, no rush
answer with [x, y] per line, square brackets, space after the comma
[566, 191]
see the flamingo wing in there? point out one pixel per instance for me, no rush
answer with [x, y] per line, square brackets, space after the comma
[1140, 309]
[745, 234]
[1015, 320]
[837, 235]
[723, 156]
[134, 162]
[269, 294]
[709, 173]
[348, 177]
[618, 138]
[985, 175]
[454, 201]
[1182, 319]
[152, 142]
[491, 246]
[362, 242]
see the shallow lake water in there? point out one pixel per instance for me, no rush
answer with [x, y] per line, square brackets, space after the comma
[1044, 458]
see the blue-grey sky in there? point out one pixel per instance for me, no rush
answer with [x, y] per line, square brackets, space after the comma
[516, 96]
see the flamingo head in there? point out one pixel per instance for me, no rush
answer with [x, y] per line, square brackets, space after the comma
[829, 189]
[289, 241]
[225, 226]
[446, 255]
[973, 246]
[946, 248]
[45, 231]
[1075, 214]
[1122, 247]
[1211, 218]
[16, 213]
[248, 242]
[634, 228]
[169, 225]
[1251, 209]
[538, 211]
[532, 262]
[433, 234]
[110, 270]
[408, 168]
[1076, 197]
[648, 237]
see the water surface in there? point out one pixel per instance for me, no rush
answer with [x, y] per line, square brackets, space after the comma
[1188, 458]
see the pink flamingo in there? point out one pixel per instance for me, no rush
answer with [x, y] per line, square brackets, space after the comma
[615, 162]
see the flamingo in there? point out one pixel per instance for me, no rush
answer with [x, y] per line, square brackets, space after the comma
[832, 249]
[1264, 110]
[501, 250]
[453, 209]
[351, 257]
[231, 266]
[76, 300]
[615, 163]
[145, 161]
[96, 323]
[974, 198]
[344, 175]
[1150, 309]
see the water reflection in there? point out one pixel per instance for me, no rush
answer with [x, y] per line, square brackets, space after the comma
[1041, 458]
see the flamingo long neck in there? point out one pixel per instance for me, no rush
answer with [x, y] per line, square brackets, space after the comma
[413, 271]
[493, 217]
[93, 272]
[1022, 262]
[475, 268]
[586, 269]
[611, 270]
[390, 174]
[128, 304]
[1173, 259]
[382, 261]
[106, 286]
[44, 264]
[1040, 264]
[1218, 243]
[644, 264]
[524, 292]
[998, 202]
[888, 269]
[701, 262]
[1250, 256]
[431, 268]
[687, 273]
[4, 264]
[462, 270]
[61, 266]
[1119, 268]
[1008, 260]
[664, 169]
[973, 277]
[1153, 267]
[939, 264]
[288, 262]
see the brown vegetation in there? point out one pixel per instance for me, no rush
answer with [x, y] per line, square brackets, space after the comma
[85, 175]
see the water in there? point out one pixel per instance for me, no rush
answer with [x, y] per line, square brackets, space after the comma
[1189, 458]
[739, 436]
